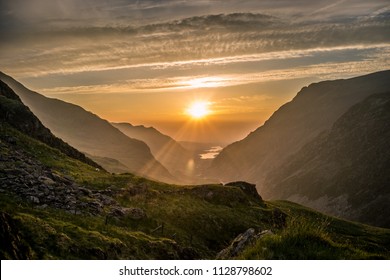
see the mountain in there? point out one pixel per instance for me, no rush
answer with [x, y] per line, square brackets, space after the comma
[13, 111]
[343, 171]
[314, 109]
[165, 149]
[90, 134]
[53, 206]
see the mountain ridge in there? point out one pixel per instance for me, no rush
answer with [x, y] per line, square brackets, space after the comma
[314, 109]
[89, 133]
[23, 120]
[344, 171]
[164, 148]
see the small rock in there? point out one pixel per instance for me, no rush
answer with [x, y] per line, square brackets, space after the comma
[241, 242]
[34, 199]
[135, 213]
[46, 180]
[209, 195]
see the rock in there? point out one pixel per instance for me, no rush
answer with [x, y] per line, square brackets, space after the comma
[137, 190]
[209, 195]
[241, 242]
[117, 212]
[264, 233]
[135, 213]
[34, 199]
[249, 189]
[46, 180]
[85, 191]
[107, 200]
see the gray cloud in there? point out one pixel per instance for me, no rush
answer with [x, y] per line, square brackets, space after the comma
[202, 39]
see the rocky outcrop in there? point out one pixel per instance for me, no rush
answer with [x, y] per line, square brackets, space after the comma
[24, 177]
[242, 242]
[249, 189]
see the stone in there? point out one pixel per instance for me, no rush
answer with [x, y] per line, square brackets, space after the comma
[241, 242]
[137, 190]
[249, 189]
[135, 213]
[34, 199]
[46, 180]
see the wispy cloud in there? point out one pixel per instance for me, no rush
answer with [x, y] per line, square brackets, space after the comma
[373, 61]
[204, 40]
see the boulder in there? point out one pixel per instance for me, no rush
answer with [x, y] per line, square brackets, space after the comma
[241, 242]
[249, 189]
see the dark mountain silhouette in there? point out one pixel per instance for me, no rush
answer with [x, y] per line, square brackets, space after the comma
[19, 116]
[89, 133]
[344, 171]
[313, 110]
[165, 149]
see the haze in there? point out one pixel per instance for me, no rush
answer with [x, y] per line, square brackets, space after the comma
[145, 62]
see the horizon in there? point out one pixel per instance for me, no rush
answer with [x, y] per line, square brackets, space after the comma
[146, 63]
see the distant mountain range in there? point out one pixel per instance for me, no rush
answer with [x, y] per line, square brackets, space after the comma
[91, 134]
[271, 156]
[165, 149]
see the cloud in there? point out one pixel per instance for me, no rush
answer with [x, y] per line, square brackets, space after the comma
[201, 40]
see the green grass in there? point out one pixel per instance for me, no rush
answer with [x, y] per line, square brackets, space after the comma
[312, 235]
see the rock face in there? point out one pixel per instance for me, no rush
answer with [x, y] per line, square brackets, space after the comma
[89, 133]
[344, 171]
[313, 110]
[241, 242]
[247, 188]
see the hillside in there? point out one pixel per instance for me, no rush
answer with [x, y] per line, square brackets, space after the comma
[53, 206]
[13, 111]
[89, 133]
[344, 171]
[165, 149]
[314, 109]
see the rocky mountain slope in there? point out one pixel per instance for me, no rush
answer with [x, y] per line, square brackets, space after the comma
[90, 134]
[344, 171]
[314, 109]
[165, 149]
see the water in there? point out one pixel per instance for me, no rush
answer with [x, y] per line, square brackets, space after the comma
[211, 153]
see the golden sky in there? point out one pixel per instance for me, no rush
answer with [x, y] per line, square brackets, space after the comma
[145, 62]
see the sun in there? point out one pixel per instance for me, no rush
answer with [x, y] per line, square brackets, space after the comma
[198, 109]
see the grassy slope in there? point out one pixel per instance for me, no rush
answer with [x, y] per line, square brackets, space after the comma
[313, 235]
[198, 221]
